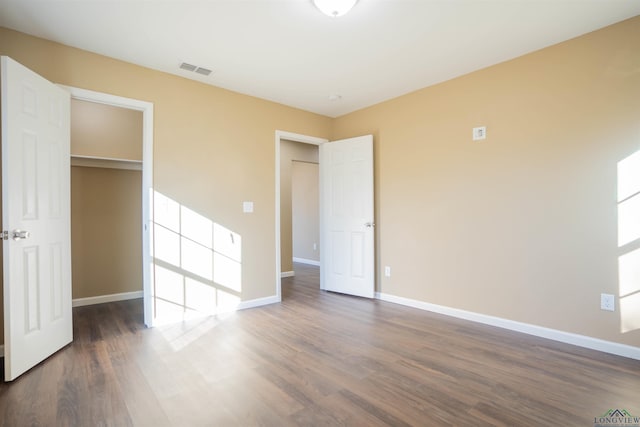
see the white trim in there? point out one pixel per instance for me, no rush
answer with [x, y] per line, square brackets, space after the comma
[539, 331]
[147, 178]
[258, 302]
[280, 135]
[307, 261]
[287, 274]
[244, 305]
[101, 299]
[103, 162]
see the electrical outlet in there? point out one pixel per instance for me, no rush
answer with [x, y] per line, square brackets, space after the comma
[387, 271]
[315, 246]
[607, 302]
[479, 133]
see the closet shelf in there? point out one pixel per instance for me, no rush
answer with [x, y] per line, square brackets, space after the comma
[105, 162]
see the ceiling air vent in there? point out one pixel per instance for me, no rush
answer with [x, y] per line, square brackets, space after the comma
[188, 67]
[194, 68]
[203, 71]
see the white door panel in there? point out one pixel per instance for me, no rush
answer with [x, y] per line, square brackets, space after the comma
[36, 205]
[346, 191]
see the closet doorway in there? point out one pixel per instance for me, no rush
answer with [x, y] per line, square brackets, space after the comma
[106, 202]
[111, 146]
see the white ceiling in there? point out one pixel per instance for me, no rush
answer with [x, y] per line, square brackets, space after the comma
[287, 51]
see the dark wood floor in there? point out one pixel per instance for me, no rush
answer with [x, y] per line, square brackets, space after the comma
[316, 359]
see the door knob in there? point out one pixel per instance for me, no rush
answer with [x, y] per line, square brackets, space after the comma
[20, 234]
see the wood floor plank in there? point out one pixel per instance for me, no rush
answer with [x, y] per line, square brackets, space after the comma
[142, 405]
[318, 358]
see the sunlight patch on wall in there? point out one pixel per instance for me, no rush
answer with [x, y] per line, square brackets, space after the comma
[629, 176]
[169, 248]
[169, 286]
[200, 296]
[227, 256]
[197, 262]
[629, 273]
[196, 258]
[629, 278]
[628, 237]
[196, 227]
[630, 312]
[628, 221]
[166, 212]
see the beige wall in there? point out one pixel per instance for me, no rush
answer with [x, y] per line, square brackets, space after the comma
[523, 225]
[106, 231]
[100, 130]
[305, 210]
[290, 151]
[212, 147]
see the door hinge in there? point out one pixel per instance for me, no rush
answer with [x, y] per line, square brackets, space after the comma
[5, 235]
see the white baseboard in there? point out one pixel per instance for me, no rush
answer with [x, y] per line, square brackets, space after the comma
[243, 305]
[258, 302]
[307, 261]
[539, 331]
[287, 274]
[79, 302]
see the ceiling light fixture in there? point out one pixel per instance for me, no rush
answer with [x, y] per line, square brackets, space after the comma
[334, 8]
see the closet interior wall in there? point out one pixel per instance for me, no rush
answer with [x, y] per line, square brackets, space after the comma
[106, 199]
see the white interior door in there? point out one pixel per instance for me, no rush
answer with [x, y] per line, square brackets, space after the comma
[346, 217]
[36, 217]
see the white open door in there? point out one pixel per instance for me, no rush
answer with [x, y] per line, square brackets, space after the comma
[346, 216]
[35, 217]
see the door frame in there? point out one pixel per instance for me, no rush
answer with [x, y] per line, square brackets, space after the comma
[295, 137]
[147, 179]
